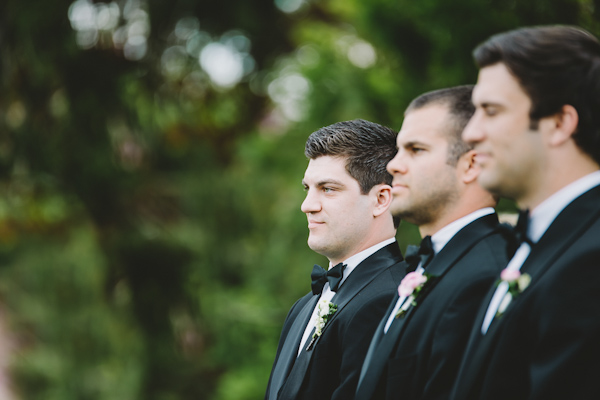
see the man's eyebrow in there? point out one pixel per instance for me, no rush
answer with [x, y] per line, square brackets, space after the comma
[325, 182]
[329, 182]
[412, 143]
[489, 103]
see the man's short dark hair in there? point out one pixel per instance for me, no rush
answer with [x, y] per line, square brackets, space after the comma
[460, 108]
[555, 66]
[366, 146]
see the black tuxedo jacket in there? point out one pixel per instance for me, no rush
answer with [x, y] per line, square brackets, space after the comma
[330, 369]
[418, 357]
[546, 345]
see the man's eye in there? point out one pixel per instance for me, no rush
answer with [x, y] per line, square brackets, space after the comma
[490, 111]
[327, 189]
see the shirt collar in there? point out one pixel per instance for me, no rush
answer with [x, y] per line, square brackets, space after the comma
[356, 259]
[443, 236]
[544, 214]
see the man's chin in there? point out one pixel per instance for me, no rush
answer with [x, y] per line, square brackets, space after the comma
[487, 179]
[315, 245]
[398, 210]
[320, 247]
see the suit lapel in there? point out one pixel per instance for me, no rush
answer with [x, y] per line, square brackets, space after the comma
[289, 350]
[366, 271]
[362, 275]
[564, 230]
[475, 342]
[377, 337]
[441, 263]
[379, 352]
[462, 243]
[292, 385]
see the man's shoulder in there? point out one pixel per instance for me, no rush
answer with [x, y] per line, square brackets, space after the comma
[384, 269]
[575, 230]
[483, 241]
[387, 279]
[390, 275]
[486, 227]
[489, 254]
[380, 290]
[383, 265]
[385, 256]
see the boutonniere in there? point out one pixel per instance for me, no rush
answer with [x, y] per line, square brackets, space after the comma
[517, 283]
[325, 310]
[411, 287]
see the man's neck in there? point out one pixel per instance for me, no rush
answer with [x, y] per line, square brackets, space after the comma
[559, 175]
[545, 212]
[364, 253]
[432, 228]
[446, 233]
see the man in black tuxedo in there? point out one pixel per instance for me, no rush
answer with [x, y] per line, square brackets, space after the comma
[417, 348]
[537, 130]
[348, 195]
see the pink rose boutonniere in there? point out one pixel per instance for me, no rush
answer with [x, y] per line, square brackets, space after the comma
[411, 286]
[516, 282]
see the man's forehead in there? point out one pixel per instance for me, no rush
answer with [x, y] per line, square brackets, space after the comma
[423, 122]
[325, 166]
[496, 84]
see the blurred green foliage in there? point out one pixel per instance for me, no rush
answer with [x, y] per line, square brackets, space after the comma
[151, 240]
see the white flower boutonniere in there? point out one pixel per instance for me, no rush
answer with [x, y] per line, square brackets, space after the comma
[517, 283]
[411, 287]
[325, 310]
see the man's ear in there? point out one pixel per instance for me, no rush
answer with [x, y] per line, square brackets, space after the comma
[383, 198]
[564, 125]
[468, 170]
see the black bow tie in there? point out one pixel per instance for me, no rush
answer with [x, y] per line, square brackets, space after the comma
[520, 229]
[319, 277]
[419, 254]
[517, 234]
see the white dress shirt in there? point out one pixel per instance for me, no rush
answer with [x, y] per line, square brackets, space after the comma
[438, 241]
[539, 220]
[327, 294]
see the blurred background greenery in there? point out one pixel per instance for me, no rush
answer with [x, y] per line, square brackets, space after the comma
[151, 157]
